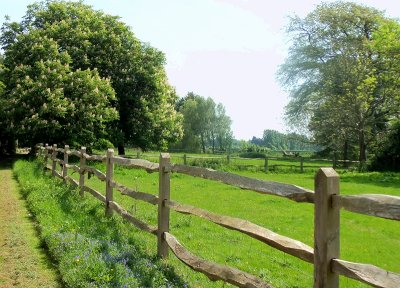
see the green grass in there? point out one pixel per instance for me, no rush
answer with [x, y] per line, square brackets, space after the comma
[91, 250]
[363, 238]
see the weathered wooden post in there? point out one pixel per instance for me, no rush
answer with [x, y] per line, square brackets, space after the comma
[228, 158]
[65, 168]
[266, 164]
[82, 164]
[301, 164]
[46, 154]
[326, 228]
[138, 155]
[109, 179]
[184, 159]
[163, 211]
[54, 157]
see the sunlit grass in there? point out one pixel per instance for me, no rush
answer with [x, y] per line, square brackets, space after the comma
[363, 238]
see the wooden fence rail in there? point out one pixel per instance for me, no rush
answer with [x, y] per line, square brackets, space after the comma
[325, 255]
[299, 162]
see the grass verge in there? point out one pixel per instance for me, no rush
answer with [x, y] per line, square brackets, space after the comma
[91, 250]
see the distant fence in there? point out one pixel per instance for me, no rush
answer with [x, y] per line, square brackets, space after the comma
[327, 201]
[266, 164]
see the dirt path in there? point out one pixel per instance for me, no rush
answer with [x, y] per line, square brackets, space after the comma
[23, 263]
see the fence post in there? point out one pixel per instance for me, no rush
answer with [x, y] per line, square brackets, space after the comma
[109, 178]
[266, 164]
[137, 155]
[184, 159]
[326, 228]
[228, 158]
[54, 157]
[65, 169]
[82, 164]
[163, 212]
[46, 154]
[301, 164]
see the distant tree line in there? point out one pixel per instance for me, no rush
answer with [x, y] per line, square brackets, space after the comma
[275, 140]
[205, 125]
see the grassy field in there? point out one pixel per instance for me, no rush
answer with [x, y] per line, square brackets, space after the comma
[363, 239]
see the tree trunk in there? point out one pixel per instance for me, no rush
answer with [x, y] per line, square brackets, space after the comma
[213, 143]
[203, 145]
[346, 153]
[361, 142]
[121, 149]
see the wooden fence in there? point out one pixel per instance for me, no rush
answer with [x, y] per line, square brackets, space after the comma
[268, 163]
[325, 256]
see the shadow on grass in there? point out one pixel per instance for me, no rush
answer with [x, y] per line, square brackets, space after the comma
[386, 179]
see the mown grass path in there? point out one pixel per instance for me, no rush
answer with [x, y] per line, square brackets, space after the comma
[23, 263]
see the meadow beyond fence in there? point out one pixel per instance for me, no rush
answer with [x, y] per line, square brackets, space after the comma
[324, 256]
[290, 163]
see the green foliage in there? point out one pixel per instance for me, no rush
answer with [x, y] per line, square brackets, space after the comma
[252, 155]
[90, 249]
[214, 163]
[205, 124]
[47, 101]
[102, 144]
[275, 140]
[336, 78]
[388, 155]
[93, 40]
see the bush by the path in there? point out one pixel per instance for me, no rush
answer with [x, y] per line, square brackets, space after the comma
[91, 250]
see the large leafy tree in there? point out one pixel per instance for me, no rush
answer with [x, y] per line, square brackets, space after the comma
[386, 42]
[94, 40]
[205, 124]
[334, 78]
[46, 100]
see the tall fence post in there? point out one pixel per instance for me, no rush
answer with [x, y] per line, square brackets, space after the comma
[109, 179]
[326, 228]
[163, 212]
[82, 164]
[184, 159]
[266, 164]
[54, 157]
[65, 168]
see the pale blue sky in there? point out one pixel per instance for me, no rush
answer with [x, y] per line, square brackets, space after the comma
[228, 50]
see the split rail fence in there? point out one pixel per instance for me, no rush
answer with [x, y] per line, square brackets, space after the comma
[325, 255]
[265, 164]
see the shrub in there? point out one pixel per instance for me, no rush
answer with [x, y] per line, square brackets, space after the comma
[252, 155]
[208, 163]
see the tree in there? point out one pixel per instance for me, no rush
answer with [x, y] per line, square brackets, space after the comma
[4, 135]
[46, 101]
[333, 75]
[94, 40]
[205, 124]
